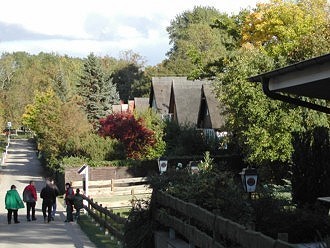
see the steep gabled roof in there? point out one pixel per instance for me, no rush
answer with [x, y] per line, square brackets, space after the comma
[161, 92]
[187, 96]
[214, 107]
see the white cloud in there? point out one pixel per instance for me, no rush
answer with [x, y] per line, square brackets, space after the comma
[78, 27]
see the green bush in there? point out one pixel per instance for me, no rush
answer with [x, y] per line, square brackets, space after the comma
[139, 228]
[311, 167]
[302, 225]
[185, 140]
[95, 148]
[210, 189]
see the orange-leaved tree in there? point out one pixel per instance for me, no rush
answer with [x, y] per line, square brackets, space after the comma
[131, 132]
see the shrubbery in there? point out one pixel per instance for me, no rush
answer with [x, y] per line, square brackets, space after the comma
[94, 147]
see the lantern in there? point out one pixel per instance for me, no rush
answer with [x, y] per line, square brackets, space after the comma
[249, 178]
[162, 165]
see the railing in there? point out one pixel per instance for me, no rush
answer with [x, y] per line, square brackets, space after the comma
[4, 154]
[215, 229]
[108, 221]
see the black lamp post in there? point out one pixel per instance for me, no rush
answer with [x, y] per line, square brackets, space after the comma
[249, 178]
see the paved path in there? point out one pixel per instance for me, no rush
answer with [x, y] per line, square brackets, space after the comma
[22, 166]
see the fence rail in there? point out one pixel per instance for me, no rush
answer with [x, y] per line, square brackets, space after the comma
[107, 220]
[125, 190]
[216, 229]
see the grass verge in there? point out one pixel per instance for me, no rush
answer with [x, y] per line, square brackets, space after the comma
[95, 234]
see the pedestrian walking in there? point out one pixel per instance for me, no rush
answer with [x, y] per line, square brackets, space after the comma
[13, 202]
[30, 198]
[78, 203]
[69, 196]
[48, 195]
[57, 192]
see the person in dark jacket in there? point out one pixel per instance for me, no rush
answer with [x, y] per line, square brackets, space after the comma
[69, 197]
[78, 203]
[57, 192]
[30, 197]
[13, 202]
[48, 195]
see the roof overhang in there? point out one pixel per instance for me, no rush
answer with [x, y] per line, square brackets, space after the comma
[310, 78]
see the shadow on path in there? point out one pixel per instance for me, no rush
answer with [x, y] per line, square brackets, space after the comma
[22, 166]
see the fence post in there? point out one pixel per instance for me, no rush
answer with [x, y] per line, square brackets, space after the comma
[95, 213]
[106, 231]
[112, 185]
[91, 208]
[101, 227]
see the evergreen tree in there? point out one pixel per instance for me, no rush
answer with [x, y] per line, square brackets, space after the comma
[98, 93]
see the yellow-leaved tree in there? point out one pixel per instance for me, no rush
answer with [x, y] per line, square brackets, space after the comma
[289, 30]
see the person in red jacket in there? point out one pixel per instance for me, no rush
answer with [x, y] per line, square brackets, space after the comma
[30, 197]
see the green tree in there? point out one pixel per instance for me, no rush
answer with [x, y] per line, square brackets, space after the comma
[260, 126]
[7, 70]
[129, 77]
[310, 167]
[153, 122]
[54, 122]
[271, 35]
[195, 41]
[124, 78]
[31, 73]
[98, 94]
[42, 117]
[19, 87]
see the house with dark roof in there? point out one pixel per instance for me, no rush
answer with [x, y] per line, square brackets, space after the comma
[185, 100]
[210, 115]
[160, 93]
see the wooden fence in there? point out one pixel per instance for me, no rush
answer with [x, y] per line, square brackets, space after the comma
[189, 219]
[108, 221]
[126, 189]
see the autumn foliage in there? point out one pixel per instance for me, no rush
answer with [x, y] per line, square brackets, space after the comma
[130, 131]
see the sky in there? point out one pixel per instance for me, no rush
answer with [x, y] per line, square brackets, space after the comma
[104, 27]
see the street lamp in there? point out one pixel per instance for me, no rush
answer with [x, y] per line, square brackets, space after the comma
[249, 178]
[162, 165]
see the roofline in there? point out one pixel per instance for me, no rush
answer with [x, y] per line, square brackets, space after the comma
[292, 100]
[297, 66]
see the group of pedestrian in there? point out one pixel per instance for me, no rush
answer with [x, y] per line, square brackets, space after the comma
[48, 195]
[13, 202]
[72, 201]
[30, 198]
